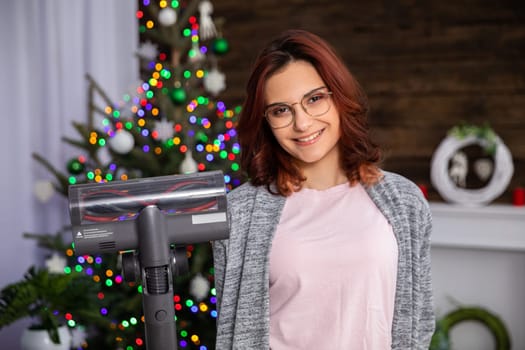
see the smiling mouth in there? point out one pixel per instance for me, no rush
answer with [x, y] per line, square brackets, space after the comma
[310, 138]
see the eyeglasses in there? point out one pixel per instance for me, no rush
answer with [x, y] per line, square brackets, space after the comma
[315, 103]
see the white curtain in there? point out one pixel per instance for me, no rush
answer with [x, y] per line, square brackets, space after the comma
[46, 48]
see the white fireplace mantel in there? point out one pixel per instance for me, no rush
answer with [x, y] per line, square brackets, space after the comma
[478, 257]
[495, 226]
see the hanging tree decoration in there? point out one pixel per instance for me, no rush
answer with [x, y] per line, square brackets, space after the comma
[75, 166]
[167, 16]
[56, 263]
[207, 27]
[163, 130]
[188, 165]
[178, 95]
[195, 55]
[220, 46]
[215, 81]
[148, 50]
[122, 142]
[44, 190]
[199, 287]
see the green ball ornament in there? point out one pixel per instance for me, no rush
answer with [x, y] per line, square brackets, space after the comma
[178, 96]
[75, 167]
[220, 46]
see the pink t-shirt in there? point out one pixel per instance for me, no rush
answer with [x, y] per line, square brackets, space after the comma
[333, 268]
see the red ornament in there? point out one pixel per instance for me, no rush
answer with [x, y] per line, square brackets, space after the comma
[424, 190]
[518, 196]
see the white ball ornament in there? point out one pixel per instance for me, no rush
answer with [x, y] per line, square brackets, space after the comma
[199, 287]
[167, 16]
[122, 142]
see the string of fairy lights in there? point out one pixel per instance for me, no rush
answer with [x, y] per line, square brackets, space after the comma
[89, 265]
[214, 148]
[191, 134]
[145, 113]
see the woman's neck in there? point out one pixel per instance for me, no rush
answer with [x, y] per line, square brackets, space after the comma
[324, 173]
[321, 179]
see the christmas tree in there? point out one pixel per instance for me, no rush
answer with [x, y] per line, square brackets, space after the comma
[171, 123]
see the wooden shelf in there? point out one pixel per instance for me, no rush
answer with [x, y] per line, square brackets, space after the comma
[496, 227]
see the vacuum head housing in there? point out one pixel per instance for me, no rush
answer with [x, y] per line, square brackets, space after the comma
[103, 216]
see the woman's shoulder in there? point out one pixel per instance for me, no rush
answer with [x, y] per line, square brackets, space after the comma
[400, 199]
[401, 183]
[243, 196]
[246, 190]
[246, 195]
[396, 188]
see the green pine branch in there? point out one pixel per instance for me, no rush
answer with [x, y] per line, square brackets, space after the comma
[484, 133]
[40, 294]
[15, 301]
[53, 242]
[37, 295]
[63, 183]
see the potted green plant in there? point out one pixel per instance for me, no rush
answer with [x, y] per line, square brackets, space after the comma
[52, 298]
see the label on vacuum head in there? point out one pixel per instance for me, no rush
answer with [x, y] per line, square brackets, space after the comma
[208, 218]
[90, 233]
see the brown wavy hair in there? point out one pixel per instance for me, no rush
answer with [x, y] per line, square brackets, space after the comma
[263, 160]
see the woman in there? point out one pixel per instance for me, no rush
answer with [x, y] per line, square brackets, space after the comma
[326, 251]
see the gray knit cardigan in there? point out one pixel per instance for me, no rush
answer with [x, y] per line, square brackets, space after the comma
[242, 265]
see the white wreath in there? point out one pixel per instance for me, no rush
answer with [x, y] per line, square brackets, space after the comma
[439, 175]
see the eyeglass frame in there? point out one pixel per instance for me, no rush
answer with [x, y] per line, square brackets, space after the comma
[292, 108]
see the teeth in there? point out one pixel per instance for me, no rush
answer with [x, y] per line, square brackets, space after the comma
[310, 138]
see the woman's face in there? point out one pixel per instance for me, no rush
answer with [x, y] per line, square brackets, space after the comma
[311, 140]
